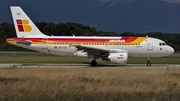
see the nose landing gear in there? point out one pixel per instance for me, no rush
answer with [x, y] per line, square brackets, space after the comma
[148, 61]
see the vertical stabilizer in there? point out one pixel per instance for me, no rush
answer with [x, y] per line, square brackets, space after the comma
[23, 24]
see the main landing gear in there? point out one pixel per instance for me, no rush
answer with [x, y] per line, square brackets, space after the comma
[148, 61]
[93, 63]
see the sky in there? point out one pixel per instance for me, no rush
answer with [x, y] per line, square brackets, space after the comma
[106, 15]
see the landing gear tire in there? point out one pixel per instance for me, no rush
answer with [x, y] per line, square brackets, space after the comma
[93, 63]
[148, 64]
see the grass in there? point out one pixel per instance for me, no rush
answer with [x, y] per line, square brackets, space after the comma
[160, 60]
[90, 84]
[38, 58]
[47, 58]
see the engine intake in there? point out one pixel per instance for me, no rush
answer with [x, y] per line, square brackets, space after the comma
[118, 58]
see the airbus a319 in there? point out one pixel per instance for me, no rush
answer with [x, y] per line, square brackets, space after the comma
[113, 49]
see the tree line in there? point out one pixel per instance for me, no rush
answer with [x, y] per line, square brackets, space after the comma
[68, 29]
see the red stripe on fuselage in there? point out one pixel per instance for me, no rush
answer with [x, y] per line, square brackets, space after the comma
[131, 39]
[74, 39]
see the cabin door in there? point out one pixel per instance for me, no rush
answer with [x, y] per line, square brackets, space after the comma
[149, 44]
[45, 43]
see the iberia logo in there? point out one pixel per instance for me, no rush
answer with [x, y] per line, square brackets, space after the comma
[23, 26]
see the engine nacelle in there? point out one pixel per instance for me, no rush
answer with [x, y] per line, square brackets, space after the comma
[118, 58]
[81, 54]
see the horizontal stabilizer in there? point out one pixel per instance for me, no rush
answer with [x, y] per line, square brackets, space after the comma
[14, 41]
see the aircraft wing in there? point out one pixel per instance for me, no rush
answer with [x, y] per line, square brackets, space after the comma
[91, 49]
[96, 50]
[15, 41]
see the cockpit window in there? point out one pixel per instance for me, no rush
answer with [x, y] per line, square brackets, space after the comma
[162, 44]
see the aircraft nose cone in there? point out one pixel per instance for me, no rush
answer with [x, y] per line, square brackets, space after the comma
[171, 50]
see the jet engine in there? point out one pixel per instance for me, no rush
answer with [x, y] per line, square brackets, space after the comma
[118, 58]
[81, 54]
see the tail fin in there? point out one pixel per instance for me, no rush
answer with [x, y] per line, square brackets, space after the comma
[23, 24]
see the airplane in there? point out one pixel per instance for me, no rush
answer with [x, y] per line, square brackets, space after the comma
[113, 49]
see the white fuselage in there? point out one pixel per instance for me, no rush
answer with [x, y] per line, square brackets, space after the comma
[150, 47]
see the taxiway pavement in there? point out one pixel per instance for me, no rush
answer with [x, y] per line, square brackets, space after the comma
[42, 65]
